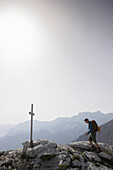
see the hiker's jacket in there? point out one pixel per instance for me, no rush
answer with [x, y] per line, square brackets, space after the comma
[90, 128]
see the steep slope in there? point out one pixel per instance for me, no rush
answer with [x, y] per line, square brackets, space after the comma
[106, 135]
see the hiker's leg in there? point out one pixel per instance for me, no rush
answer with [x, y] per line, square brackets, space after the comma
[90, 140]
[98, 147]
[94, 136]
[97, 144]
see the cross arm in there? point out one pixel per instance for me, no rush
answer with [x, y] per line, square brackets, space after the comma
[31, 113]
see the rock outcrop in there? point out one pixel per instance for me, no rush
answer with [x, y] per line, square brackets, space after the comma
[47, 155]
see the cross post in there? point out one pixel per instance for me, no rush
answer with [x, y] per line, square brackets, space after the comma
[31, 132]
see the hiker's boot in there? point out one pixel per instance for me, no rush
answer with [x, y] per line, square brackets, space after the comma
[92, 147]
[99, 149]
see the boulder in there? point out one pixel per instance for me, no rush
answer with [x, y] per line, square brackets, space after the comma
[92, 156]
[104, 155]
[40, 148]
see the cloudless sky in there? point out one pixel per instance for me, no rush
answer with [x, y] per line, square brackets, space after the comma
[56, 54]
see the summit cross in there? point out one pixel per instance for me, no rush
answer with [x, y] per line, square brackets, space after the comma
[31, 132]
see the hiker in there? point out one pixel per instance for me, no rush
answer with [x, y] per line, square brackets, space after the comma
[92, 131]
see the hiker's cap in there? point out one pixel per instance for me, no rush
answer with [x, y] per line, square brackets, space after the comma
[86, 119]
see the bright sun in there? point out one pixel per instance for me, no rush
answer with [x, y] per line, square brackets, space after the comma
[17, 35]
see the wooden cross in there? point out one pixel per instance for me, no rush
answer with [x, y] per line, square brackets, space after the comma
[31, 133]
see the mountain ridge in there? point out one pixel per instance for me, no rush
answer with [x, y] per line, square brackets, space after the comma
[61, 130]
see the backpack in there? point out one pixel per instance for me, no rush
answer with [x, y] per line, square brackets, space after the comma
[96, 128]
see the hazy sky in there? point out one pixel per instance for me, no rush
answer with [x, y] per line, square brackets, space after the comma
[56, 54]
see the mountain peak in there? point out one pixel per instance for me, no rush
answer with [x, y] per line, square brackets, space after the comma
[89, 113]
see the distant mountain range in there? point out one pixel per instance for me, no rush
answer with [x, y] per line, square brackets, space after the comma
[4, 129]
[61, 130]
[105, 136]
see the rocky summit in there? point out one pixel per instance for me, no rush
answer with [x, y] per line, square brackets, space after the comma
[47, 155]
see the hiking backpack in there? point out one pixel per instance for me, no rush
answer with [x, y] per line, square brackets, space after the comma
[96, 128]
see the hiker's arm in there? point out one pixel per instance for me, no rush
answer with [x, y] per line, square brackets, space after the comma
[91, 128]
[88, 132]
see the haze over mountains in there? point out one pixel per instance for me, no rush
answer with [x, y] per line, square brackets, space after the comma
[61, 130]
[4, 129]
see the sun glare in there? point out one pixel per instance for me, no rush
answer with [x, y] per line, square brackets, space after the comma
[17, 38]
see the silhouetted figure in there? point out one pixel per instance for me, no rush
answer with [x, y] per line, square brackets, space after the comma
[93, 128]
